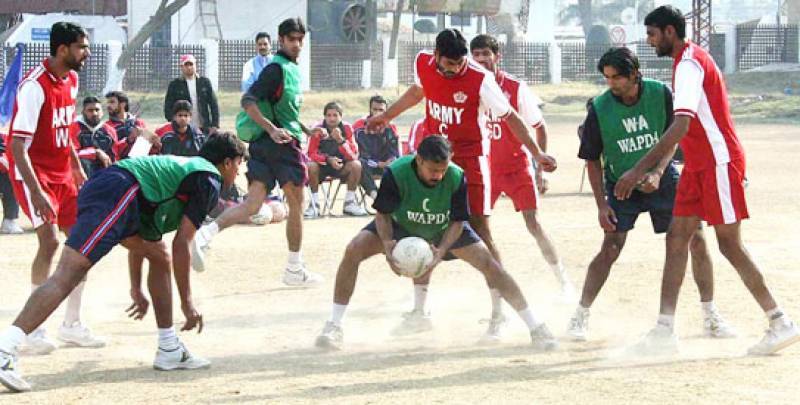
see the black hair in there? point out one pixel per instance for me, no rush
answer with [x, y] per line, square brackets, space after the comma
[620, 58]
[121, 98]
[451, 44]
[435, 148]
[263, 34]
[65, 33]
[333, 105]
[663, 16]
[221, 146]
[291, 25]
[90, 100]
[181, 105]
[485, 41]
[377, 99]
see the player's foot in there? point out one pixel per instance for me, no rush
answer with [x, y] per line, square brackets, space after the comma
[11, 227]
[331, 337]
[579, 324]
[661, 340]
[566, 294]
[716, 327]
[542, 339]
[776, 338]
[353, 209]
[178, 359]
[495, 331]
[80, 335]
[414, 322]
[263, 216]
[312, 212]
[37, 343]
[9, 373]
[296, 275]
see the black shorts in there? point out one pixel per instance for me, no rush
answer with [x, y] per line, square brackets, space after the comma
[659, 204]
[326, 171]
[468, 236]
[276, 164]
[108, 212]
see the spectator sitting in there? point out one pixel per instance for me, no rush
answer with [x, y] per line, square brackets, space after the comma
[253, 67]
[376, 150]
[334, 154]
[10, 205]
[96, 141]
[179, 137]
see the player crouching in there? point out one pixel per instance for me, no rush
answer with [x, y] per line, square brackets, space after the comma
[134, 203]
[425, 183]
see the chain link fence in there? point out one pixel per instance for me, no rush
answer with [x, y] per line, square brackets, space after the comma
[152, 68]
[761, 44]
[92, 78]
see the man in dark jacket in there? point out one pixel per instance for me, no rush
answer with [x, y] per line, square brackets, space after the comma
[96, 141]
[376, 150]
[198, 91]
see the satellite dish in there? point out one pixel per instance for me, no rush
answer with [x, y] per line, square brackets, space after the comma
[628, 16]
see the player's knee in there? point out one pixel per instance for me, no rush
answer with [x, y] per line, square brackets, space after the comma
[697, 246]
[676, 240]
[353, 253]
[611, 250]
[729, 246]
[48, 246]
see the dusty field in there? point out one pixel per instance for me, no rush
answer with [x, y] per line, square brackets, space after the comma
[260, 334]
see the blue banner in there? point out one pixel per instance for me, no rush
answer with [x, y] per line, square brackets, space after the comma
[9, 91]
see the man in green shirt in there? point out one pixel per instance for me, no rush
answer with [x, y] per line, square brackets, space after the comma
[621, 126]
[425, 195]
[133, 203]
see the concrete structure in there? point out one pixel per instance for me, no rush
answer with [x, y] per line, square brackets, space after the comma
[36, 28]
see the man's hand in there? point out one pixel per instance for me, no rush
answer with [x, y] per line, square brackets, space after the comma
[335, 163]
[649, 183]
[102, 157]
[607, 218]
[438, 255]
[542, 184]
[336, 134]
[546, 162]
[377, 123]
[318, 131]
[388, 248]
[627, 183]
[78, 176]
[150, 136]
[193, 317]
[138, 308]
[42, 207]
[280, 135]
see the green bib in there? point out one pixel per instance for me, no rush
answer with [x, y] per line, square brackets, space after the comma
[159, 178]
[629, 132]
[424, 211]
[285, 113]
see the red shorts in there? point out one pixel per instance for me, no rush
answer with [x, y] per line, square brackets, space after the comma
[63, 198]
[715, 195]
[479, 183]
[520, 186]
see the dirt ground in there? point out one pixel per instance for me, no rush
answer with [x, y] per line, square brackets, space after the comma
[260, 334]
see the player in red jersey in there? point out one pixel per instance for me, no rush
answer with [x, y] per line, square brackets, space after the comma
[46, 170]
[459, 93]
[711, 187]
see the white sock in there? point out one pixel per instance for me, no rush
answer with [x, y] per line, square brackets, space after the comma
[558, 271]
[212, 230]
[666, 320]
[529, 318]
[497, 302]
[583, 309]
[420, 297]
[167, 339]
[315, 197]
[337, 314]
[72, 314]
[11, 338]
[708, 308]
[777, 317]
[295, 257]
[350, 196]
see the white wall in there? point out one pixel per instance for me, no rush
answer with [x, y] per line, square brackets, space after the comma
[101, 28]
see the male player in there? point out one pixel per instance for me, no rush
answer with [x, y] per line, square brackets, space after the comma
[425, 195]
[711, 188]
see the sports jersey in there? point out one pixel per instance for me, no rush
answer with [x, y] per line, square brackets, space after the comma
[175, 143]
[87, 140]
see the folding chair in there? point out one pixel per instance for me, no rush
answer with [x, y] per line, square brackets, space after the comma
[327, 209]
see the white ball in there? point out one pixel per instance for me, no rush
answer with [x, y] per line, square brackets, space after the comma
[264, 215]
[412, 255]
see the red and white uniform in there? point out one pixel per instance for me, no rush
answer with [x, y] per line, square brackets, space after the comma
[416, 134]
[712, 182]
[43, 113]
[512, 172]
[457, 108]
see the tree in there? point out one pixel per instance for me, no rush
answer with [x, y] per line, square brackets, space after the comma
[166, 9]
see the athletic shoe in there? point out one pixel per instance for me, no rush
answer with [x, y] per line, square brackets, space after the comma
[579, 325]
[331, 337]
[776, 338]
[178, 359]
[296, 275]
[715, 326]
[542, 339]
[198, 256]
[414, 322]
[353, 209]
[9, 373]
[566, 295]
[11, 227]
[79, 335]
[661, 340]
[37, 343]
[496, 329]
[312, 212]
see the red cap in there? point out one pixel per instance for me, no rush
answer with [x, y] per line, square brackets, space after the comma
[188, 59]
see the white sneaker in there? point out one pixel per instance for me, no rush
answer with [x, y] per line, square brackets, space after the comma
[299, 276]
[312, 212]
[661, 340]
[715, 326]
[353, 209]
[178, 359]
[331, 337]
[496, 329]
[776, 338]
[414, 322]
[566, 295]
[11, 227]
[542, 339]
[579, 325]
[80, 335]
[198, 256]
[37, 343]
[9, 373]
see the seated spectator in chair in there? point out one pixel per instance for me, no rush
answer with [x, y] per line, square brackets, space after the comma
[96, 141]
[127, 125]
[10, 205]
[179, 137]
[375, 150]
[334, 154]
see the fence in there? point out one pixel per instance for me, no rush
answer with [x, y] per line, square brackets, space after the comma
[759, 45]
[152, 68]
[92, 76]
